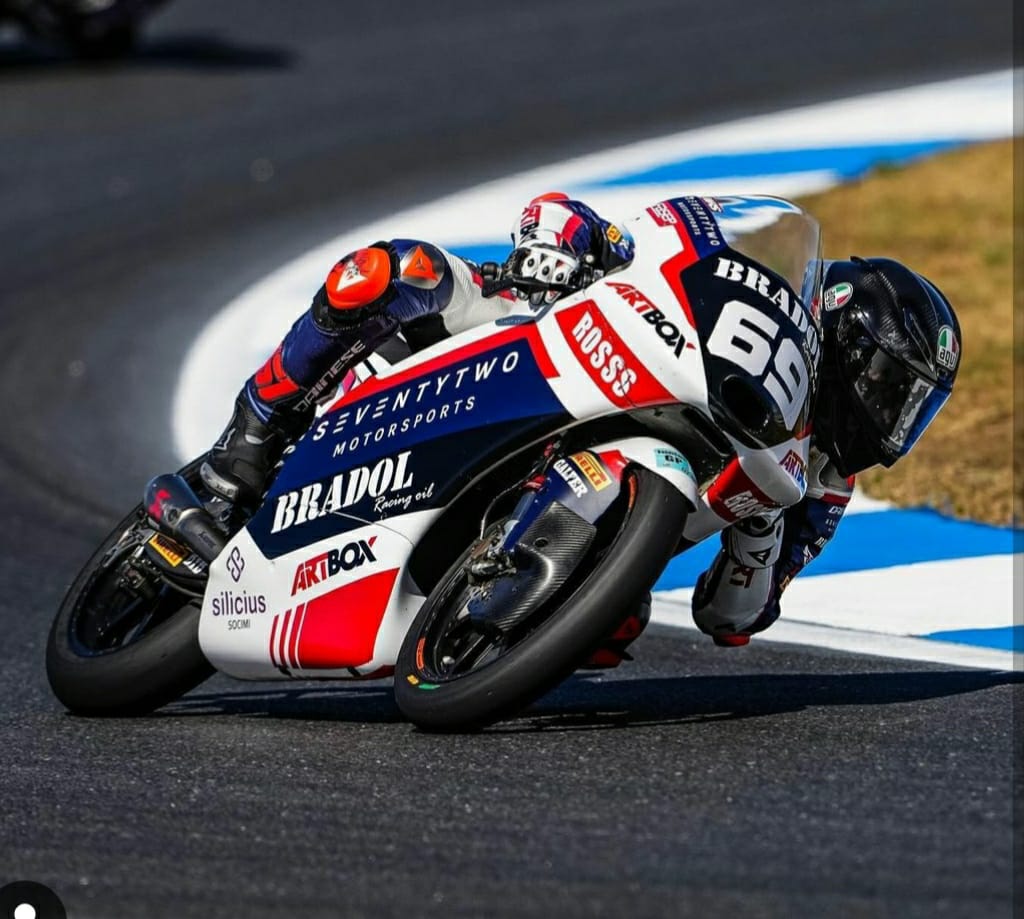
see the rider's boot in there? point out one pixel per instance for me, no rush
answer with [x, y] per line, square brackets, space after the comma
[239, 463]
[736, 597]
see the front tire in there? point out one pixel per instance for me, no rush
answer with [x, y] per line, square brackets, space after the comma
[506, 679]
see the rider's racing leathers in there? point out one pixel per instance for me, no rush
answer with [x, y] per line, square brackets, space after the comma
[427, 294]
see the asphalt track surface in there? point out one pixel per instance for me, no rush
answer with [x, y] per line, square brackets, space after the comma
[134, 201]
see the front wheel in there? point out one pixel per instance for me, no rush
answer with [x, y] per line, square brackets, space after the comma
[454, 673]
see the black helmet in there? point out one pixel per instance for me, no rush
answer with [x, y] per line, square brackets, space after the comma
[891, 352]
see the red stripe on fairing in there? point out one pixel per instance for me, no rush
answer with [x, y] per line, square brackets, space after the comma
[298, 636]
[613, 462]
[273, 633]
[529, 333]
[281, 641]
[731, 482]
[832, 498]
[300, 611]
[339, 629]
[672, 272]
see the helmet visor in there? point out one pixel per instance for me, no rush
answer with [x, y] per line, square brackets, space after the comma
[899, 402]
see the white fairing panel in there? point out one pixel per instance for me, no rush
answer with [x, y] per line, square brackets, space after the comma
[337, 608]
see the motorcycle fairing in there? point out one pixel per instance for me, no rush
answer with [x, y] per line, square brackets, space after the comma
[347, 482]
[410, 441]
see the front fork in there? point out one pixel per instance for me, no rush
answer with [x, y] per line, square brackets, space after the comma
[585, 483]
[553, 525]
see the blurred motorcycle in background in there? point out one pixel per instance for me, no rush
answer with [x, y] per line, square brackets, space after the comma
[93, 29]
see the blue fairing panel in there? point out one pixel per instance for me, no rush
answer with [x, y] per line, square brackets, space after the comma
[407, 446]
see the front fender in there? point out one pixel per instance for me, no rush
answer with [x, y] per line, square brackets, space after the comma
[655, 455]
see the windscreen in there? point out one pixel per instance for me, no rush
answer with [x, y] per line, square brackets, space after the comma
[778, 234]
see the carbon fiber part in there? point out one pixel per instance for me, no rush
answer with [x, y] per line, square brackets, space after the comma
[547, 554]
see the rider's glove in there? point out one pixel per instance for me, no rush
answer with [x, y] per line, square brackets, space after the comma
[542, 271]
[544, 262]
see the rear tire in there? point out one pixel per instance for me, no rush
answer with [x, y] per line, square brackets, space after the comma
[148, 669]
[633, 560]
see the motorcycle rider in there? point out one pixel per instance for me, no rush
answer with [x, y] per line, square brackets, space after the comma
[890, 347]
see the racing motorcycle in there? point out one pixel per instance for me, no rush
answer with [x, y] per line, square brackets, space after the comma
[480, 517]
[90, 28]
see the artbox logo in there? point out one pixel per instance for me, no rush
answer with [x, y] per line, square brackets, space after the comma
[794, 465]
[329, 563]
[655, 318]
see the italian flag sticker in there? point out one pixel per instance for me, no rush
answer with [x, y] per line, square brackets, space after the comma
[949, 348]
[838, 296]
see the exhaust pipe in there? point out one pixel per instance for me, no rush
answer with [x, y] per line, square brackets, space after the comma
[174, 507]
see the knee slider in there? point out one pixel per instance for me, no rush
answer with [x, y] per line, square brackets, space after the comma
[361, 283]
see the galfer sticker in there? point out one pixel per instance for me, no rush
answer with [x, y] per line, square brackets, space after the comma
[838, 296]
[949, 348]
[568, 474]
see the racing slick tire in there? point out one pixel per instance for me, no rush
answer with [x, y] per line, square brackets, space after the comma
[112, 653]
[585, 611]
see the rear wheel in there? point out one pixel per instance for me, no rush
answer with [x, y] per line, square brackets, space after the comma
[454, 672]
[125, 641]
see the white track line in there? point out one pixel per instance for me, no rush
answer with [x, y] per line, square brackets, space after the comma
[240, 336]
[675, 612]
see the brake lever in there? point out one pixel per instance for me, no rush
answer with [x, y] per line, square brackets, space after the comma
[495, 278]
